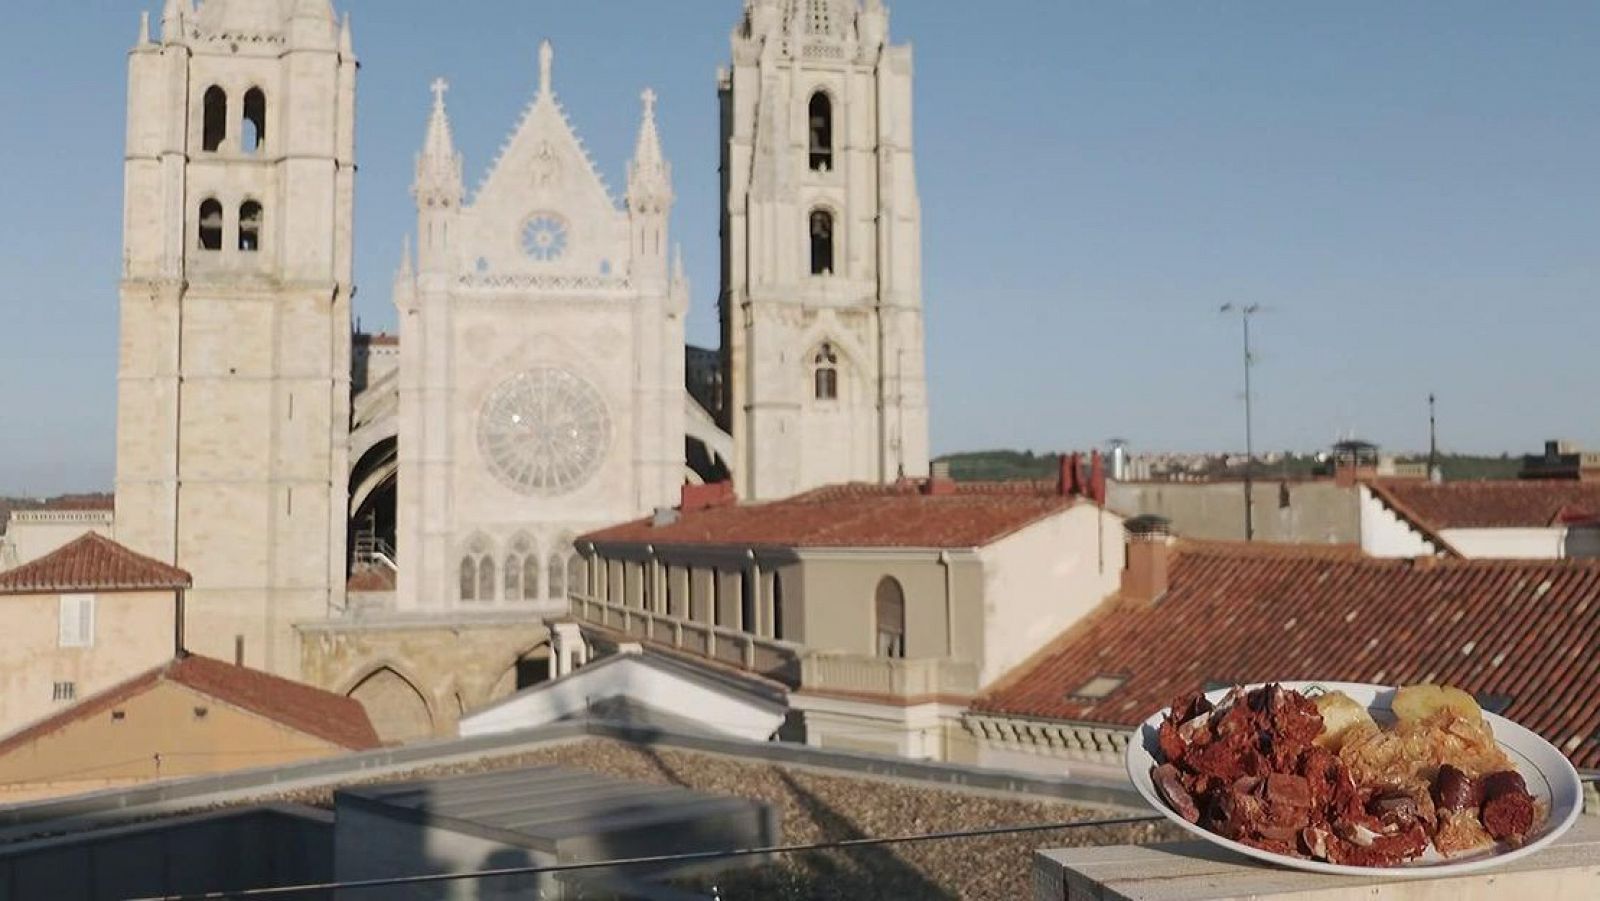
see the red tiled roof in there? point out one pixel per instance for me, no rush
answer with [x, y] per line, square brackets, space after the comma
[1529, 630]
[1491, 504]
[376, 339]
[330, 717]
[92, 563]
[857, 515]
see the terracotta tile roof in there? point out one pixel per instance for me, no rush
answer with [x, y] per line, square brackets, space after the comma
[1491, 504]
[312, 711]
[376, 339]
[92, 563]
[1528, 630]
[77, 502]
[857, 515]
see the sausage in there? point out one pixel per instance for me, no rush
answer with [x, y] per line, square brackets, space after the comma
[1508, 809]
[1454, 790]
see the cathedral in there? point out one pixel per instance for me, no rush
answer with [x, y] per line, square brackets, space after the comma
[393, 518]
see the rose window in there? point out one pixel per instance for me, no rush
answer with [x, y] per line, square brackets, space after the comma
[544, 238]
[544, 431]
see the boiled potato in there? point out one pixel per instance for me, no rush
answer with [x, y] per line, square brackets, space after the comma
[1415, 703]
[1339, 713]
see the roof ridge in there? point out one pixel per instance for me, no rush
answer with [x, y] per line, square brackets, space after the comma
[93, 562]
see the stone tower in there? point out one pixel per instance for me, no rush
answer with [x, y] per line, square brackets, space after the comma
[821, 301]
[541, 362]
[233, 387]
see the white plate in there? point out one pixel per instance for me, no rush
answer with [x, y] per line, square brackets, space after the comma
[1549, 775]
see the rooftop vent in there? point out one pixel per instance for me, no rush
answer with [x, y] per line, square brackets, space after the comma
[1098, 688]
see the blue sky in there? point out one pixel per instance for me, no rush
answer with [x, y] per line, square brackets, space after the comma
[1412, 190]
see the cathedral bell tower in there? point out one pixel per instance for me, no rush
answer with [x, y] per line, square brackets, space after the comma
[821, 301]
[234, 376]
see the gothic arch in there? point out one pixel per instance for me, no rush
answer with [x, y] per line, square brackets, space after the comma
[214, 119]
[531, 667]
[398, 709]
[253, 124]
[523, 572]
[822, 135]
[477, 570]
[823, 235]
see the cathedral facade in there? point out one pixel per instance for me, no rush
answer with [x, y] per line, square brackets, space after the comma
[400, 531]
[541, 361]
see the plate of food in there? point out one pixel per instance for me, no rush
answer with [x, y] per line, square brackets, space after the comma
[1353, 779]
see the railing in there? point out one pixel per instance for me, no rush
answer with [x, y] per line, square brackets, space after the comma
[370, 550]
[857, 674]
[767, 656]
[785, 661]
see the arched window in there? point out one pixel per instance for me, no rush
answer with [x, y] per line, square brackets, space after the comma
[821, 242]
[558, 578]
[477, 571]
[253, 132]
[215, 119]
[825, 375]
[577, 574]
[249, 226]
[821, 132]
[486, 579]
[522, 570]
[890, 605]
[211, 224]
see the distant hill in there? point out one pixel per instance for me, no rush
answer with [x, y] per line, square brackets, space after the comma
[1012, 465]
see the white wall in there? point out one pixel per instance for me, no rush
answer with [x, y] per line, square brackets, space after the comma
[630, 677]
[1510, 544]
[35, 533]
[1384, 534]
[1044, 578]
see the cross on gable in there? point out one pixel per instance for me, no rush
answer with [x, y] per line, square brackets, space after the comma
[439, 86]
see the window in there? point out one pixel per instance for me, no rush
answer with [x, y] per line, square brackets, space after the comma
[821, 132]
[64, 691]
[558, 577]
[250, 226]
[477, 571]
[254, 130]
[577, 574]
[211, 224]
[215, 118]
[1097, 689]
[522, 571]
[821, 242]
[890, 606]
[76, 621]
[825, 376]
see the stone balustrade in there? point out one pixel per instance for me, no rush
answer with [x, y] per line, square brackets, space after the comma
[857, 674]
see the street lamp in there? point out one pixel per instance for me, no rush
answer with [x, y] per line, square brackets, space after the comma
[1245, 311]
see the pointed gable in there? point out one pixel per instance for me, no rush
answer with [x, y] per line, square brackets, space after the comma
[543, 185]
[92, 563]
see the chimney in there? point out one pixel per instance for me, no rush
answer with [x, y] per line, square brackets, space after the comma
[1097, 478]
[704, 497]
[1144, 580]
[939, 482]
[1069, 480]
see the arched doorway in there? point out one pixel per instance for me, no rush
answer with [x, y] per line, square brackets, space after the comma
[397, 709]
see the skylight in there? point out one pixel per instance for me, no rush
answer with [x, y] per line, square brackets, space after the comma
[1098, 688]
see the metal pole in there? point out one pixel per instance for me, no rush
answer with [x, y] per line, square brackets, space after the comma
[1249, 438]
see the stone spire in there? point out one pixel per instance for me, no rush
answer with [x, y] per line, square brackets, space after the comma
[174, 19]
[313, 24]
[649, 176]
[438, 165]
[347, 45]
[547, 55]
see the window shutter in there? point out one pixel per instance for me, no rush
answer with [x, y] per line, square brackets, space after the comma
[76, 621]
[86, 621]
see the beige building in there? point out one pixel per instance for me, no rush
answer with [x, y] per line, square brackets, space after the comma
[189, 716]
[80, 620]
[537, 387]
[821, 301]
[234, 378]
[885, 609]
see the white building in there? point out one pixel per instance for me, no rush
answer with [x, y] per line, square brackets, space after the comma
[1512, 520]
[541, 360]
[822, 251]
